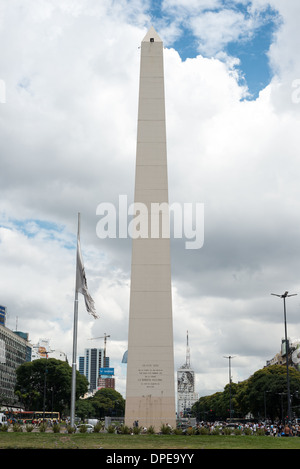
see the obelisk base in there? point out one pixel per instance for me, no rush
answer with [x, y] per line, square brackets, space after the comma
[150, 411]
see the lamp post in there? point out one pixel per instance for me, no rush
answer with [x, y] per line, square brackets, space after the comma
[287, 347]
[265, 404]
[45, 383]
[229, 359]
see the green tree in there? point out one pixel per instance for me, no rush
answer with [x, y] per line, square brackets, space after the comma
[108, 402]
[263, 394]
[267, 391]
[242, 399]
[47, 380]
[210, 408]
[84, 408]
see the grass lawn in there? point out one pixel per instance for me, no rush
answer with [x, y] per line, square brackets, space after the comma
[106, 441]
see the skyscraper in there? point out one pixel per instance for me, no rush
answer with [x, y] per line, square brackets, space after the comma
[90, 365]
[150, 387]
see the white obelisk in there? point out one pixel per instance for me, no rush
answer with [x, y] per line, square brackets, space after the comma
[150, 389]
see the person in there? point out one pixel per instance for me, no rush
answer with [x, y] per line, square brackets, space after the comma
[287, 431]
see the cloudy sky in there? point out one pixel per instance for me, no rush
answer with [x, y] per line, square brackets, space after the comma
[69, 72]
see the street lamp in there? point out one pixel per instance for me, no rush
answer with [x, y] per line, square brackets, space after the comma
[45, 385]
[287, 347]
[229, 358]
[265, 404]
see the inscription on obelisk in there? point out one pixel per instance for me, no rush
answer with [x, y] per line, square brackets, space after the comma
[150, 387]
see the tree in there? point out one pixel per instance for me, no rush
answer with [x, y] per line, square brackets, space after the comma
[242, 398]
[264, 394]
[84, 408]
[108, 402]
[210, 408]
[47, 381]
[267, 391]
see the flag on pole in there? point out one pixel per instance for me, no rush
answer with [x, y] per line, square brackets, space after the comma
[80, 287]
[81, 283]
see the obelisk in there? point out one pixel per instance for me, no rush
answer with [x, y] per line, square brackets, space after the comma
[150, 387]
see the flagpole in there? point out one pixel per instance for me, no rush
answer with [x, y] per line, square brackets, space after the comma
[74, 357]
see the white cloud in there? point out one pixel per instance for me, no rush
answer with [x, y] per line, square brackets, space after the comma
[216, 29]
[192, 5]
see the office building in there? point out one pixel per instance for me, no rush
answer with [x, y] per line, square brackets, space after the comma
[14, 351]
[90, 364]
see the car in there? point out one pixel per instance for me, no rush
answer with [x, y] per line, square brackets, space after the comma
[85, 427]
[232, 425]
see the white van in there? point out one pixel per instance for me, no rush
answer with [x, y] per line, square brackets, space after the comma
[92, 421]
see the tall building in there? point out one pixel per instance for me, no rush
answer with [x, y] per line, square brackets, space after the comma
[90, 364]
[14, 350]
[150, 387]
[186, 395]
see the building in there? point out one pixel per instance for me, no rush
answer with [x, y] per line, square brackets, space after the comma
[293, 355]
[43, 350]
[2, 315]
[186, 395]
[14, 351]
[90, 365]
[106, 383]
[106, 379]
[94, 365]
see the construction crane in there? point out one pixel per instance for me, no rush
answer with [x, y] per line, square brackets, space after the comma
[103, 337]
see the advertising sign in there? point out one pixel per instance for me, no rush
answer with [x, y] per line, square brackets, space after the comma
[107, 371]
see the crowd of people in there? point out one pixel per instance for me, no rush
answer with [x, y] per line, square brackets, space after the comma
[276, 429]
[36, 422]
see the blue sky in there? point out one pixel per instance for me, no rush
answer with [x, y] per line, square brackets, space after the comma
[250, 44]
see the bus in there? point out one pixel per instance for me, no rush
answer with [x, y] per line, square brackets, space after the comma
[28, 416]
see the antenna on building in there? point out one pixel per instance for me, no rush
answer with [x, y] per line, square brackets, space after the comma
[188, 362]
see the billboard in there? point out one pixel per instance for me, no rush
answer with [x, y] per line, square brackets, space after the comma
[106, 371]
